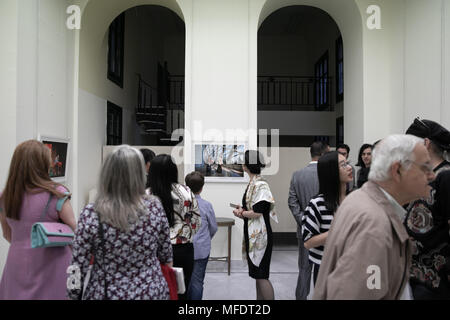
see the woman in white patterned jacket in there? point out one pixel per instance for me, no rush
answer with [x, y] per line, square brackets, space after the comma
[181, 209]
[256, 211]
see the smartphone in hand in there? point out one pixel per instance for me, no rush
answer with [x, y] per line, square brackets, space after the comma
[234, 205]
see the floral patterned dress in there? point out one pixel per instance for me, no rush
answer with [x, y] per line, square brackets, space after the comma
[132, 259]
[427, 224]
[187, 220]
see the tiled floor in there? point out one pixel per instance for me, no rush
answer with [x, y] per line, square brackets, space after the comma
[239, 286]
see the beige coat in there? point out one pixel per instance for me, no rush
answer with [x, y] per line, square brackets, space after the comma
[365, 232]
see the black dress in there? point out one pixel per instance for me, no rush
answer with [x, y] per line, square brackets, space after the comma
[263, 271]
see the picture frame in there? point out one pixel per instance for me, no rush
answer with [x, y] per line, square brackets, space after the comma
[59, 148]
[220, 162]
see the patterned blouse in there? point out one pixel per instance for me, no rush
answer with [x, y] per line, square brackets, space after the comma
[187, 219]
[132, 261]
[257, 190]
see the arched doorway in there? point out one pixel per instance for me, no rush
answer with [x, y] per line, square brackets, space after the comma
[300, 76]
[296, 91]
[130, 80]
[347, 17]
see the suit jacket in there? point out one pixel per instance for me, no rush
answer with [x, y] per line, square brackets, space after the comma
[304, 186]
[367, 241]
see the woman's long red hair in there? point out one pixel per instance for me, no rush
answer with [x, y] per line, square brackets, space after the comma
[28, 173]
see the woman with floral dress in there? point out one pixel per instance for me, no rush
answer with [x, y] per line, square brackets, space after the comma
[126, 232]
[256, 211]
[181, 208]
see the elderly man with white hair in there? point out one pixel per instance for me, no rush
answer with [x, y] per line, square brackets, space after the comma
[368, 253]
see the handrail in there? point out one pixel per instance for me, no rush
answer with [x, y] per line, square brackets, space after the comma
[145, 82]
[294, 77]
[294, 92]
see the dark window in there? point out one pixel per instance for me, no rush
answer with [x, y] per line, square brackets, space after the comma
[325, 139]
[322, 86]
[339, 70]
[116, 50]
[114, 125]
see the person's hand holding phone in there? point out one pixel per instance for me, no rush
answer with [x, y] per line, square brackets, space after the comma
[238, 210]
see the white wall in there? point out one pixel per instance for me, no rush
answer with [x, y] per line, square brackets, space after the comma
[425, 39]
[8, 87]
[92, 137]
[445, 107]
[36, 76]
[8, 83]
[222, 61]
[291, 160]
[27, 73]
[405, 66]
[302, 123]
[52, 111]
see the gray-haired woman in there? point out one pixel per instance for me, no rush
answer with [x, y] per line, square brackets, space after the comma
[133, 240]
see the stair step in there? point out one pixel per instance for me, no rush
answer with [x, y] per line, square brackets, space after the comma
[151, 122]
[152, 107]
[150, 114]
[154, 130]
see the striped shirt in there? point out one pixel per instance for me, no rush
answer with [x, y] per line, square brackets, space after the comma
[316, 220]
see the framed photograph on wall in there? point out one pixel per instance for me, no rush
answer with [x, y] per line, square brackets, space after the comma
[59, 149]
[220, 162]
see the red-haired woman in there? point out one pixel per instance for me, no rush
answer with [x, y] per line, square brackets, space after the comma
[33, 273]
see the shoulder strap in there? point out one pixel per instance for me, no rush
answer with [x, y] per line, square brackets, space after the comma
[102, 246]
[44, 212]
[61, 201]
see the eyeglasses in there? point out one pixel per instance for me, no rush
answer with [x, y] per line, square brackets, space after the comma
[425, 167]
[344, 165]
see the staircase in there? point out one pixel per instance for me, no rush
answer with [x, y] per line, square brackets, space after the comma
[160, 110]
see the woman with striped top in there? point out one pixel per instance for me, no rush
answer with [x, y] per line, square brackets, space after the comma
[334, 173]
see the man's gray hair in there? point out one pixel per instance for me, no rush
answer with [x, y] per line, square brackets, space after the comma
[394, 148]
[121, 188]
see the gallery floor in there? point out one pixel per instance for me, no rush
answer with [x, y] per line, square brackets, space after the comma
[239, 286]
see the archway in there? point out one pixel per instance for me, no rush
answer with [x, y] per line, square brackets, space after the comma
[142, 104]
[297, 133]
[300, 76]
[347, 17]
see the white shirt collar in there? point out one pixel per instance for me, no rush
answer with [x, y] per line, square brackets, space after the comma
[399, 210]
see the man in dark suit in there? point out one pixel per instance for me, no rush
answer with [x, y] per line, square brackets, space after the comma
[304, 185]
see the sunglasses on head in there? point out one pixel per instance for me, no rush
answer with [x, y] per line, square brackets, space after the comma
[422, 124]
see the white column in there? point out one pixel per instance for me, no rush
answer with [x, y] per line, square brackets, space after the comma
[445, 108]
[8, 94]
